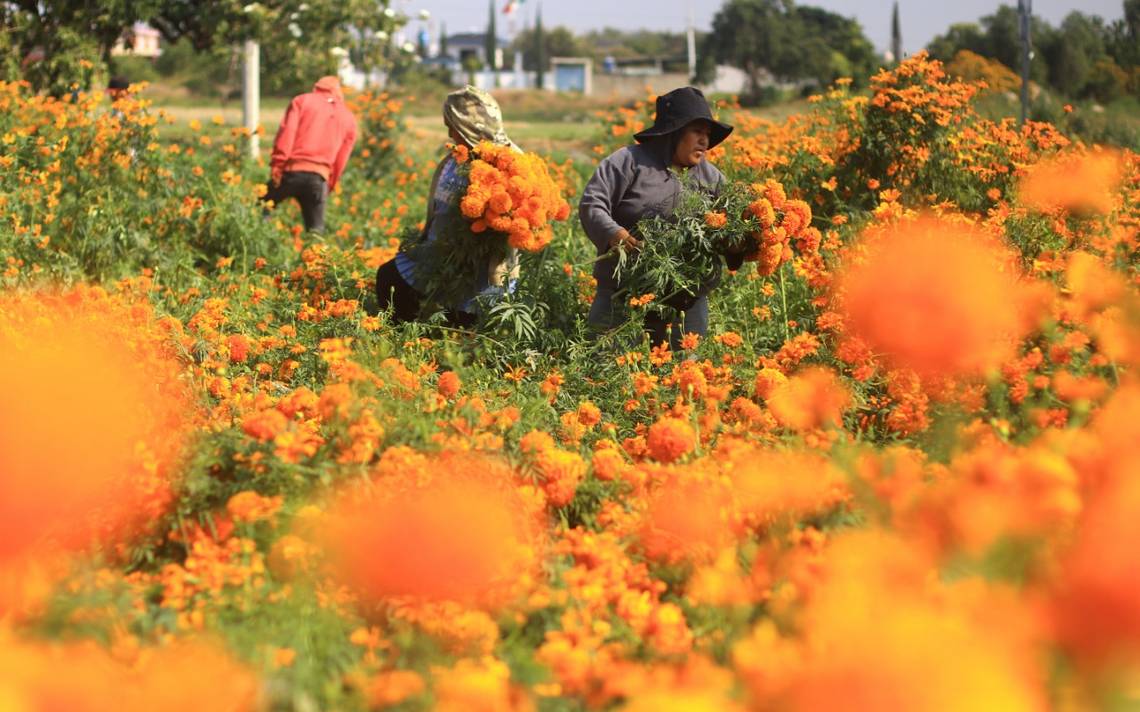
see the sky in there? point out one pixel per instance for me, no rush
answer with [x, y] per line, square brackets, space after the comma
[921, 19]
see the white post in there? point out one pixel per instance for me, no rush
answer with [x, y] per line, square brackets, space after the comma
[251, 94]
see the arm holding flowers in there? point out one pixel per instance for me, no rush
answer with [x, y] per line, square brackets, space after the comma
[604, 190]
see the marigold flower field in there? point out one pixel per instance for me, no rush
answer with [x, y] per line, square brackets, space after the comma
[900, 472]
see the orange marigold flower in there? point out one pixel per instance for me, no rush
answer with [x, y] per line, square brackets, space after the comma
[390, 688]
[589, 414]
[608, 464]
[91, 414]
[716, 220]
[458, 529]
[449, 384]
[685, 519]
[936, 297]
[264, 425]
[1079, 183]
[249, 506]
[238, 346]
[767, 379]
[560, 472]
[1096, 604]
[288, 557]
[670, 439]
[810, 399]
[472, 206]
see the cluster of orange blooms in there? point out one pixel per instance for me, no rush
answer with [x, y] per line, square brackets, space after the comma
[783, 222]
[938, 296]
[512, 193]
[92, 419]
[760, 522]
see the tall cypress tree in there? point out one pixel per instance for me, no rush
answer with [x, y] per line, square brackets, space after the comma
[896, 34]
[491, 43]
[539, 50]
[443, 39]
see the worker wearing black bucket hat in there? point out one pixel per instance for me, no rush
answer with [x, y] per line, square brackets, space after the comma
[678, 109]
[642, 181]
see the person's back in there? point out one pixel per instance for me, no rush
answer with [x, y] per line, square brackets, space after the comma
[311, 149]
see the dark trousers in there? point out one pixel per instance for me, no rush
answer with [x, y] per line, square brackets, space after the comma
[393, 292]
[694, 320]
[308, 189]
[608, 311]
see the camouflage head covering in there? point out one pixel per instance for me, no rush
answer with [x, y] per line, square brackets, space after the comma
[475, 116]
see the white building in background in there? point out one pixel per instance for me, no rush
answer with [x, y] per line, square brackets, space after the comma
[141, 40]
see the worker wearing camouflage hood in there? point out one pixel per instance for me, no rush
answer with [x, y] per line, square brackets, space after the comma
[471, 116]
[311, 149]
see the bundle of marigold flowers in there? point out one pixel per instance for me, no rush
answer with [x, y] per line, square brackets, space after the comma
[680, 256]
[510, 193]
[780, 220]
[509, 202]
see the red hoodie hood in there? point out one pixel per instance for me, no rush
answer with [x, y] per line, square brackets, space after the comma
[329, 84]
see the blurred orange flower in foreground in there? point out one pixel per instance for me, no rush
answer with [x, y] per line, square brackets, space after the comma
[935, 296]
[90, 418]
[875, 639]
[1079, 183]
[456, 528]
[83, 677]
[670, 439]
[686, 518]
[813, 398]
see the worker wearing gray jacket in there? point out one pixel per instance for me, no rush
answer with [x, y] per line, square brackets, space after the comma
[642, 181]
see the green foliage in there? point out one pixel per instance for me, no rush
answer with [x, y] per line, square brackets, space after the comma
[681, 256]
[60, 42]
[1082, 58]
[491, 40]
[539, 45]
[788, 41]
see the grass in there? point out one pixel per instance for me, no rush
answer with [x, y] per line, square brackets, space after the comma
[559, 125]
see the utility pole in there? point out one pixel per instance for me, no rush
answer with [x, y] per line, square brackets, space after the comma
[692, 40]
[251, 93]
[1024, 14]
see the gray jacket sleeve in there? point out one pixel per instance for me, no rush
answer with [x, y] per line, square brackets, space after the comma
[601, 194]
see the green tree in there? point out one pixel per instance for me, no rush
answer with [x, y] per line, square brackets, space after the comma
[834, 46]
[960, 36]
[556, 42]
[1078, 46]
[756, 36]
[787, 41]
[297, 36]
[1123, 40]
[1107, 81]
[896, 34]
[540, 53]
[1002, 41]
[491, 42]
[61, 43]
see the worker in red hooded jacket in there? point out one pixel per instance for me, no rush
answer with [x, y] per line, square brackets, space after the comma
[310, 151]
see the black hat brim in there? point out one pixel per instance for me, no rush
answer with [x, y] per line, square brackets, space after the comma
[720, 131]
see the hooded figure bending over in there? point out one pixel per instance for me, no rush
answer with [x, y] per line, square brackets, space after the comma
[471, 117]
